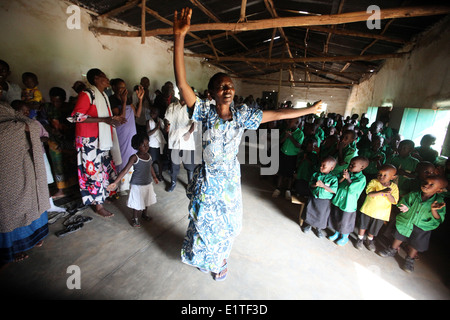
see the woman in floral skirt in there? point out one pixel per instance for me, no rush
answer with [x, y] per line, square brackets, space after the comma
[96, 142]
[215, 208]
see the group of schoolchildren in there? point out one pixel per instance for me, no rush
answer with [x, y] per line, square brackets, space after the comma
[351, 175]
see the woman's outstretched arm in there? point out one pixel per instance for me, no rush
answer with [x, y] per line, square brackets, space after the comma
[181, 25]
[281, 114]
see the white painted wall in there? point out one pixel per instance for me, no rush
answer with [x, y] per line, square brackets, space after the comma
[420, 79]
[35, 38]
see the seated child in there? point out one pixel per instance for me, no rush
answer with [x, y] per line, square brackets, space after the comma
[307, 163]
[405, 164]
[345, 152]
[290, 143]
[421, 212]
[31, 93]
[376, 157]
[323, 187]
[344, 204]
[141, 193]
[376, 209]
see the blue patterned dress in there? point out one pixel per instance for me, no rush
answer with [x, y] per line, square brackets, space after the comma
[215, 208]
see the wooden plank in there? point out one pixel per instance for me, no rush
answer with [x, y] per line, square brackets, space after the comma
[143, 6]
[371, 57]
[408, 12]
[342, 18]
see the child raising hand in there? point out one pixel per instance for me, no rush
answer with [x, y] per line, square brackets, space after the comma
[141, 193]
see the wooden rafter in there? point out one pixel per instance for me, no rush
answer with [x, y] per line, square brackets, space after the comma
[143, 7]
[273, 12]
[211, 15]
[297, 83]
[170, 23]
[406, 12]
[371, 57]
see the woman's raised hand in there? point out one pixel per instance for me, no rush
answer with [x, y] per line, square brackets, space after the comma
[182, 21]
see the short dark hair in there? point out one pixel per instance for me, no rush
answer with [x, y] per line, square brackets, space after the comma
[214, 78]
[387, 166]
[58, 92]
[407, 142]
[17, 104]
[352, 132]
[91, 74]
[138, 139]
[361, 158]
[5, 64]
[26, 75]
[116, 81]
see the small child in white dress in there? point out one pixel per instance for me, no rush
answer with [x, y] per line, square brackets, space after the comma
[141, 193]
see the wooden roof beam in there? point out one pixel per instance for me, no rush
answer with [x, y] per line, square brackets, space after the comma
[349, 17]
[371, 57]
[405, 12]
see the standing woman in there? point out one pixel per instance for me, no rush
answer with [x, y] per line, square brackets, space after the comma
[215, 208]
[24, 192]
[96, 141]
[122, 106]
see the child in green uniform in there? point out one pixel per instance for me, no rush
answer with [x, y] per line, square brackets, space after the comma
[424, 169]
[376, 209]
[405, 164]
[323, 187]
[346, 151]
[307, 163]
[329, 145]
[291, 141]
[421, 212]
[344, 204]
[376, 157]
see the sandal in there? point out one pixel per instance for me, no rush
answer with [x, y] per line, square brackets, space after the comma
[135, 223]
[222, 275]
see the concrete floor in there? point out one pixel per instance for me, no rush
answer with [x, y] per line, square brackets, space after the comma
[272, 259]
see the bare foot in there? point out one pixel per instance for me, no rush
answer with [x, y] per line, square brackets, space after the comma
[20, 256]
[39, 244]
[100, 210]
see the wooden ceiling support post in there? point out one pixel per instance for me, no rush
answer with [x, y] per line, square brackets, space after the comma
[143, 6]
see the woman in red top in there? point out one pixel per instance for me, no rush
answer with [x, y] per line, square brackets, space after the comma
[96, 142]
